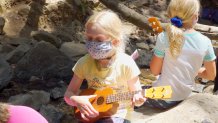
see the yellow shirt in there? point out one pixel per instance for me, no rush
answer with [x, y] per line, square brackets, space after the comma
[116, 76]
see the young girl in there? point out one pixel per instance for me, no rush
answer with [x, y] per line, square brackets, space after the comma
[19, 114]
[105, 65]
[180, 53]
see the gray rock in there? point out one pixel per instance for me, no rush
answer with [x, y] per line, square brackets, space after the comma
[144, 58]
[2, 24]
[15, 55]
[52, 114]
[58, 92]
[6, 48]
[44, 61]
[216, 49]
[72, 49]
[45, 36]
[68, 119]
[207, 121]
[142, 45]
[15, 22]
[5, 73]
[198, 88]
[34, 99]
[216, 93]
[63, 36]
[199, 108]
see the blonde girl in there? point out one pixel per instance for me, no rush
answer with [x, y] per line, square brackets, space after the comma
[180, 52]
[105, 65]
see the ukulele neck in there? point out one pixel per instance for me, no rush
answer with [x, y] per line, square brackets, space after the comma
[162, 92]
[121, 96]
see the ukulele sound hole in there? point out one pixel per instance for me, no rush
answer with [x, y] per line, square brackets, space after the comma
[100, 100]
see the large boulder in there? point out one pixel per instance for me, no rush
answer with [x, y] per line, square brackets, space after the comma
[34, 99]
[44, 61]
[73, 50]
[14, 56]
[5, 73]
[200, 108]
[51, 113]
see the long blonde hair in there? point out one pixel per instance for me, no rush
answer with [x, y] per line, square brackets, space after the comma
[185, 10]
[111, 25]
[4, 113]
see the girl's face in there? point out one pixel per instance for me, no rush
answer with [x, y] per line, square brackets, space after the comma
[95, 34]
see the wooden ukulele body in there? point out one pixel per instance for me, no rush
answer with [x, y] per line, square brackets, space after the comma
[99, 103]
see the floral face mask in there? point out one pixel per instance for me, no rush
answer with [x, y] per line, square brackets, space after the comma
[99, 50]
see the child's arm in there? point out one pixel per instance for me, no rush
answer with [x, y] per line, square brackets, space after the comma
[156, 65]
[208, 71]
[134, 85]
[82, 102]
[73, 89]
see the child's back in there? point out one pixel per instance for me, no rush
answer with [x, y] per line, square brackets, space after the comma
[180, 53]
[180, 72]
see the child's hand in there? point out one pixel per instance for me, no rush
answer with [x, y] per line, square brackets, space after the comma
[138, 99]
[86, 109]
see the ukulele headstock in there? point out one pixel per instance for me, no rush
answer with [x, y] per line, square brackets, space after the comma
[162, 92]
[155, 24]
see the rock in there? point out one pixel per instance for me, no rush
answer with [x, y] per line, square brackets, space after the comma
[18, 21]
[16, 41]
[5, 73]
[14, 56]
[1, 48]
[139, 3]
[128, 28]
[52, 114]
[2, 24]
[216, 49]
[34, 99]
[52, 1]
[63, 36]
[160, 5]
[34, 78]
[195, 109]
[198, 88]
[58, 92]
[72, 50]
[208, 89]
[142, 45]
[44, 61]
[216, 93]
[45, 36]
[53, 17]
[8, 4]
[144, 58]
[68, 119]
[6, 48]
[151, 40]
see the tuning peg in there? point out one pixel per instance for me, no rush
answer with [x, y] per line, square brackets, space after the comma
[154, 23]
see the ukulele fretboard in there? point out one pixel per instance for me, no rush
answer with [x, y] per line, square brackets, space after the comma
[121, 96]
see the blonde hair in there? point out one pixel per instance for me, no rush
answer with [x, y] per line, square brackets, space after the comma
[185, 10]
[4, 113]
[111, 25]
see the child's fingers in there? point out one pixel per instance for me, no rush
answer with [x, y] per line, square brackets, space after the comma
[92, 110]
[138, 100]
[84, 117]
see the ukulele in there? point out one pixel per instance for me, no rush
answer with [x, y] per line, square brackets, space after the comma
[155, 24]
[106, 102]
